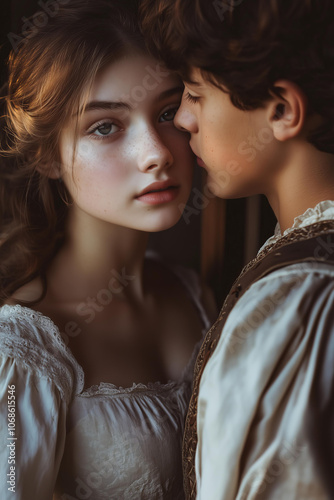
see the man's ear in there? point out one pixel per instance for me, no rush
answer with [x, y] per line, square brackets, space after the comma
[287, 112]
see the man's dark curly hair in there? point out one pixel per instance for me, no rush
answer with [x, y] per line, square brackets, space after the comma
[245, 46]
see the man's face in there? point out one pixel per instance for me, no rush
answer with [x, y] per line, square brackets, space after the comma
[237, 148]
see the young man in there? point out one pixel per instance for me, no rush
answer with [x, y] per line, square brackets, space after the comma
[259, 106]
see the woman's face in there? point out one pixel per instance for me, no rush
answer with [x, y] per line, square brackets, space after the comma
[132, 167]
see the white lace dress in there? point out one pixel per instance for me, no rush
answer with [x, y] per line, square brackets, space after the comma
[104, 443]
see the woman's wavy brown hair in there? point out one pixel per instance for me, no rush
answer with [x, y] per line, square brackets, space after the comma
[245, 46]
[49, 74]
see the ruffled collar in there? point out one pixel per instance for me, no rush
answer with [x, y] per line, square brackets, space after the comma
[323, 211]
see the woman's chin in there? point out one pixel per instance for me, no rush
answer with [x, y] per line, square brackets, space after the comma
[164, 223]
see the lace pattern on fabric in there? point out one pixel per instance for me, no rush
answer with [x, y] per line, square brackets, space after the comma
[322, 211]
[35, 340]
[108, 389]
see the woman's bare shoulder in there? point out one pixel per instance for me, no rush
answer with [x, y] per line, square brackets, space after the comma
[30, 292]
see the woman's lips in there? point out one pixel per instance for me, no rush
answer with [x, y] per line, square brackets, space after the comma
[158, 197]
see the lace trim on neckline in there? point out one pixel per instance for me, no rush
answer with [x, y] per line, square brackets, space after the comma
[108, 389]
[104, 388]
[322, 211]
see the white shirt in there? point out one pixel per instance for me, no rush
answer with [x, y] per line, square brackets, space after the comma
[255, 389]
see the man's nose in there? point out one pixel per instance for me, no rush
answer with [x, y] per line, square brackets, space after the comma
[185, 120]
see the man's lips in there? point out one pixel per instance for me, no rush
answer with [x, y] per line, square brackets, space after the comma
[199, 160]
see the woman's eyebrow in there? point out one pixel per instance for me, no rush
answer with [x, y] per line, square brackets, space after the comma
[170, 92]
[106, 105]
[115, 105]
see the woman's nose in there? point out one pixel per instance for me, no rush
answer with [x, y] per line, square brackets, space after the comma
[153, 154]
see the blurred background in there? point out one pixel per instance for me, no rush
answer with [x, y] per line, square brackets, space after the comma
[215, 237]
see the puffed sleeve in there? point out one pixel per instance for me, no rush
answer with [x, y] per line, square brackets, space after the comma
[38, 379]
[32, 429]
[255, 391]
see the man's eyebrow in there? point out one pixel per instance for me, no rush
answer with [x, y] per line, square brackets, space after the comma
[193, 82]
[106, 105]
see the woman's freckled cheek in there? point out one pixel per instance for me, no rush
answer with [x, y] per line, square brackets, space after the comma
[105, 167]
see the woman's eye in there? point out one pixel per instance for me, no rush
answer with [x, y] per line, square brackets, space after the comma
[105, 129]
[169, 115]
[191, 98]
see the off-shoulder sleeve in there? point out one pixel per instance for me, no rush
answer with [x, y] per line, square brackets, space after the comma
[38, 379]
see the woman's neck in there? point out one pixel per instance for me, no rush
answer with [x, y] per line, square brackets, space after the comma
[98, 256]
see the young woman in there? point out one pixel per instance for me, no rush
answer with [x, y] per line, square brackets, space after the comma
[96, 336]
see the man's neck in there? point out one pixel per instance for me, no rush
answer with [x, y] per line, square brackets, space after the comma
[306, 180]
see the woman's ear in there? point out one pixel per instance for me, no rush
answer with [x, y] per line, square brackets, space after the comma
[287, 112]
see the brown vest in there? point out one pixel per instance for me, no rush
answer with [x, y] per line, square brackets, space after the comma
[314, 243]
